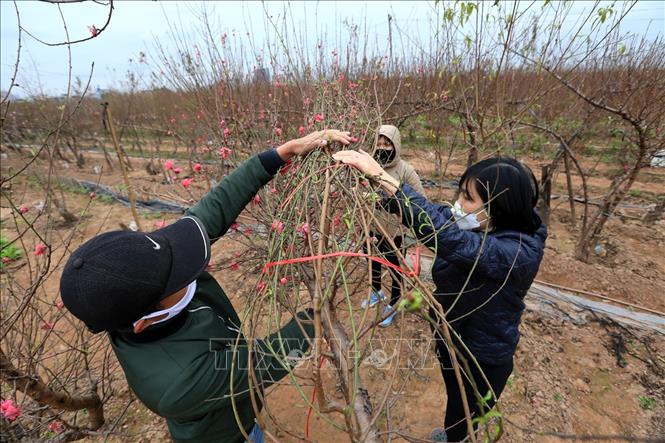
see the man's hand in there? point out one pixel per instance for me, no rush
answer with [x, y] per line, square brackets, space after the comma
[364, 162]
[303, 145]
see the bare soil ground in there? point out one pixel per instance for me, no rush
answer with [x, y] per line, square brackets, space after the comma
[590, 379]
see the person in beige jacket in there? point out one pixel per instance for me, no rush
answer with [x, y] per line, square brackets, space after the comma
[387, 152]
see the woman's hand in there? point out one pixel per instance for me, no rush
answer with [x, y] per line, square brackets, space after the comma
[364, 162]
[308, 143]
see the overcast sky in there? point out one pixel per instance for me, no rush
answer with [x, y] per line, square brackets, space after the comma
[136, 24]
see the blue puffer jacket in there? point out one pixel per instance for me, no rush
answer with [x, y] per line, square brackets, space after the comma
[499, 267]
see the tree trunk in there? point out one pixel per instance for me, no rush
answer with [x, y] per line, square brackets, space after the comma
[107, 157]
[656, 213]
[473, 150]
[33, 387]
[617, 192]
[569, 184]
[545, 194]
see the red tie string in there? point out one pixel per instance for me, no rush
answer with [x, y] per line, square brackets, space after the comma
[383, 261]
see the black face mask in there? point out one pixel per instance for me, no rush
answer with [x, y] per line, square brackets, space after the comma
[384, 156]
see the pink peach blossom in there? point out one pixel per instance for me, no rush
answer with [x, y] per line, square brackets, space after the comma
[55, 426]
[277, 226]
[10, 409]
[40, 248]
[304, 229]
[224, 152]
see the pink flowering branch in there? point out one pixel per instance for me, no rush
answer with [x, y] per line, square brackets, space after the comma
[32, 386]
[94, 31]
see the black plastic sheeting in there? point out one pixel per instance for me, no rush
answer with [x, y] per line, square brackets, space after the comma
[571, 307]
[449, 184]
[148, 205]
[166, 206]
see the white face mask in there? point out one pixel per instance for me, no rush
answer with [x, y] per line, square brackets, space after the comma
[173, 310]
[466, 222]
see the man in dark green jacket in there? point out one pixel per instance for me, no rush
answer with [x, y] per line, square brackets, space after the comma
[171, 326]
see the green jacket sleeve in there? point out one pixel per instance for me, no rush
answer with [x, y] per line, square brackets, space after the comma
[214, 378]
[219, 208]
[284, 347]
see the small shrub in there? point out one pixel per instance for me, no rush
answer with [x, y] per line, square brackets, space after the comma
[8, 253]
[646, 402]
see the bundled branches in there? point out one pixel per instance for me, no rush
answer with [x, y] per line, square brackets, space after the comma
[488, 81]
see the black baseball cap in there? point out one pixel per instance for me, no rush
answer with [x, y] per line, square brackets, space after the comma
[117, 277]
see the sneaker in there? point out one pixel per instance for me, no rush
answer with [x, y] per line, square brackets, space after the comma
[438, 434]
[374, 298]
[385, 323]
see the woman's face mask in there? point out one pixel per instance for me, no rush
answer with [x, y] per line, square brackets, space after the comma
[384, 156]
[469, 209]
[464, 221]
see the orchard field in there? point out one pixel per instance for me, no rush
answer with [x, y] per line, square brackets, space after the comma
[581, 105]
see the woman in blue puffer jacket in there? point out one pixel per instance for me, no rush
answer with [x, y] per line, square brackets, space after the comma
[488, 247]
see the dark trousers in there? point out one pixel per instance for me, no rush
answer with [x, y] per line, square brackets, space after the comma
[389, 254]
[455, 421]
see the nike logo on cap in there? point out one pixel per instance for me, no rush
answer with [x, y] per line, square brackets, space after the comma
[157, 247]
